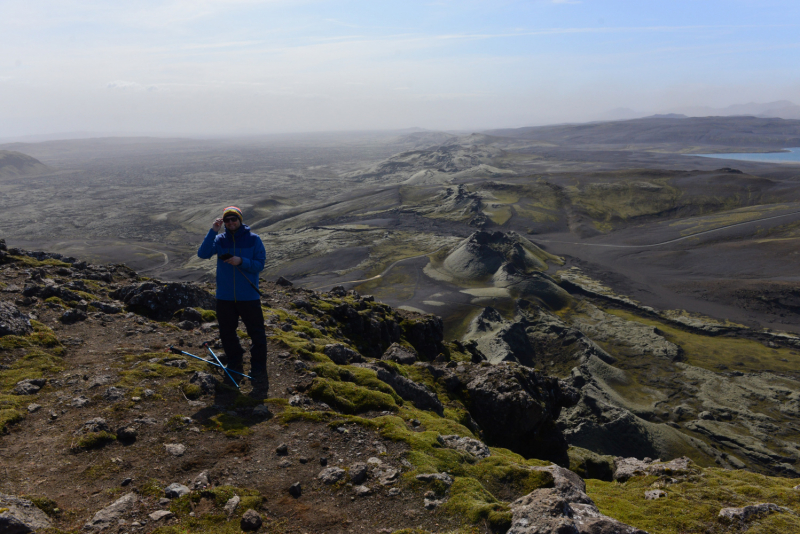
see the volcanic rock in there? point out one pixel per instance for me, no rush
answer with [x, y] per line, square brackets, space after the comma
[12, 321]
[400, 354]
[160, 301]
[21, 516]
[341, 354]
[110, 515]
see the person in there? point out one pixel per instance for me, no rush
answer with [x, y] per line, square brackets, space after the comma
[240, 257]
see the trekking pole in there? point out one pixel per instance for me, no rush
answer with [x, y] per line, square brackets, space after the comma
[260, 294]
[208, 346]
[215, 364]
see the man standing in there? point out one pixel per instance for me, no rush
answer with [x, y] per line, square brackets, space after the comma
[240, 257]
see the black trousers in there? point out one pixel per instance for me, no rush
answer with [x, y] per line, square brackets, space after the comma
[228, 313]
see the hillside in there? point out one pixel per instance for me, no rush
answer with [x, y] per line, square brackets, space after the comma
[18, 164]
[374, 422]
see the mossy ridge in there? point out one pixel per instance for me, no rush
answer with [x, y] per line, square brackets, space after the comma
[33, 262]
[217, 522]
[350, 398]
[9, 416]
[94, 440]
[692, 505]
[42, 336]
[366, 378]
[232, 426]
[712, 352]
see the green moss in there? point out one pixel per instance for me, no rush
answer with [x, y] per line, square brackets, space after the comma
[692, 505]
[45, 504]
[589, 464]
[55, 300]
[95, 440]
[32, 262]
[231, 425]
[469, 499]
[350, 398]
[363, 377]
[207, 315]
[34, 364]
[152, 488]
[86, 296]
[9, 416]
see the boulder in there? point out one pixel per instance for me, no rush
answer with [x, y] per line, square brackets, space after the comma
[517, 407]
[73, 315]
[422, 397]
[342, 354]
[12, 321]
[175, 490]
[231, 506]
[283, 282]
[444, 478]
[358, 472]
[21, 516]
[745, 514]
[111, 514]
[251, 521]
[29, 386]
[175, 449]
[160, 301]
[331, 475]
[400, 354]
[562, 509]
[630, 467]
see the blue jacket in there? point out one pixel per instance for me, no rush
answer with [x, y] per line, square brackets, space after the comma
[231, 284]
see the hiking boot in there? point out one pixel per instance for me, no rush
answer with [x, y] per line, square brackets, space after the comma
[260, 386]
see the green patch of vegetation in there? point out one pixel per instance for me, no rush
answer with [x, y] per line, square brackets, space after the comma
[86, 296]
[152, 488]
[55, 300]
[9, 416]
[102, 470]
[469, 499]
[207, 315]
[147, 370]
[34, 364]
[40, 338]
[350, 398]
[33, 262]
[721, 352]
[95, 440]
[693, 504]
[231, 425]
[363, 377]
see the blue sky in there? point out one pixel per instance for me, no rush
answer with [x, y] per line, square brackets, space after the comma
[230, 67]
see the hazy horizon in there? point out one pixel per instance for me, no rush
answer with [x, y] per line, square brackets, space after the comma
[247, 67]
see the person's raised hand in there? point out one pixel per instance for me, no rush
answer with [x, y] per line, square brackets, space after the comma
[234, 260]
[217, 224]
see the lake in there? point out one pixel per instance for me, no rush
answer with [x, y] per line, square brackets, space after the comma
[791, 156]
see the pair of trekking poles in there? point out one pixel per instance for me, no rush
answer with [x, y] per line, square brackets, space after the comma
[216, 362]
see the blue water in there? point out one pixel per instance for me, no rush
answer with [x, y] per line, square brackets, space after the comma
[791, 156]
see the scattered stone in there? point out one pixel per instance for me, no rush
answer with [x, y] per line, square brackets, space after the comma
[113, 394]
[98, 424]
[653, 495]
[422, 397]
[375, 462]
[400, 354]
[180, 363]
[33, 408]
[21, 516]
[295, 490]
[232, 505]
[207, 383]
[127, 434]
[388, 476]
[175, 490]
[415, 423]
[13, 322]
[175, 449]
[111, 514]
[431, 502]
[362, 491]
[73, 316]
[251, 521]
[284, 463]
[630, 467]
[29, 386]
[338, 291]
[188, 325]
[323, 461]
[331, 475]
[79, 402]
[444, 478]
[393, 492]
[161, 514]
[201, 481]
[283, 282]
[472, 446]
[282, 449]
[358, 472]
[100, 380]
[303, 460]
[341, 354]
[125, 482]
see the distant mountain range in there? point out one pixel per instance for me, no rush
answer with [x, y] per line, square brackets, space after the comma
[781, 109]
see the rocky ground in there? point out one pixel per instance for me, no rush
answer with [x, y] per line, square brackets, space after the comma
[373, 423]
